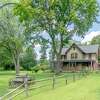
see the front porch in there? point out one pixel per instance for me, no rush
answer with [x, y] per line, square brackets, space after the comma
[76, 65]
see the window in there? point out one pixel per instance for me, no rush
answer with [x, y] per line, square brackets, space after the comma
[74, 56]
[89, 56]
[73, 48]
[63, 57]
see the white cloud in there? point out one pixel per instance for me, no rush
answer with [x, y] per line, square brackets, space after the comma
[90, 36]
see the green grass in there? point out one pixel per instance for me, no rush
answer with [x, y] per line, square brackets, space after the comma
[5, 76]
[84, 89]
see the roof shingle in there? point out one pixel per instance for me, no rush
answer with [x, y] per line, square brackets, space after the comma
[84, 48]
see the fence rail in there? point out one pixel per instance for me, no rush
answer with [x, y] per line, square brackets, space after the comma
[25, 86]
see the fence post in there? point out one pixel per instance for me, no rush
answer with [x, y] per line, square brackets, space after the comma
[73, 76]
[26, 85]
[66, 82]
[79, 74]
[53, 85]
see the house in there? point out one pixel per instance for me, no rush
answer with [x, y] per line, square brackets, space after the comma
[78, 56]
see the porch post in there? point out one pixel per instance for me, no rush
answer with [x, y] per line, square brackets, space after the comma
[91, 65]
[69, 65]
[75, 67]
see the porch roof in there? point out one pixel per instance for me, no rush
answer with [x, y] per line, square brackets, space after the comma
[77, 60]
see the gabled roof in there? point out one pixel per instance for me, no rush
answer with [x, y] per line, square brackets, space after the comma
[89, 48]
[64, 50]
[83, 48]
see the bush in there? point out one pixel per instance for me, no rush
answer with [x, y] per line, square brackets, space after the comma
[36, 68]
[42, 67]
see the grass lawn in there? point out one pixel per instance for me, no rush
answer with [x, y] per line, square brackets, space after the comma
[84, 89]
[5, 76]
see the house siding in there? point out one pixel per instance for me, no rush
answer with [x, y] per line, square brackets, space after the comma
[76, 58]
[80, 54]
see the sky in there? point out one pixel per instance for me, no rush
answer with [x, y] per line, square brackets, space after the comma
[94, 31]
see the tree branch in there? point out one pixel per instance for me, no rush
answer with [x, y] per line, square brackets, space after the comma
[6, 4]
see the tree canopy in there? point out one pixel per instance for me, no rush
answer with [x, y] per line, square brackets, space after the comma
[59, 18]
[96, 40]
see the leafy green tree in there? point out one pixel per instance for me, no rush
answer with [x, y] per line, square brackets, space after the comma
[59, 18]
[28, 60]
[11, 37]
[43, 50]
[5, 59]
[96, 40]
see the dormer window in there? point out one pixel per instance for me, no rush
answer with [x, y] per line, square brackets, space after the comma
[74, 56]
[73, 48]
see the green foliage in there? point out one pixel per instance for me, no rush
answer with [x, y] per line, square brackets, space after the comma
[24, 10]
[43, 51]
[42, 66]
[56, 17]
[5, 59]
[36, 68]
[80, 13]
[28, 60]
[96, 40]
[11, 37]
[99, 59]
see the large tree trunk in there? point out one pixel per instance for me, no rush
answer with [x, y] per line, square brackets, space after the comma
[16, 63]
[17, 66]
[58, 64]
[58, 55]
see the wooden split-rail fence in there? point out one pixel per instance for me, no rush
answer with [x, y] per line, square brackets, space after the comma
[33, 85]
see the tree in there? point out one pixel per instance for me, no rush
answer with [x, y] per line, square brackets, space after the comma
[96, 40]
[59, 18]
[43, 51]
[28, 60]
[5, 59]
[7, 4]
[11, 37]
